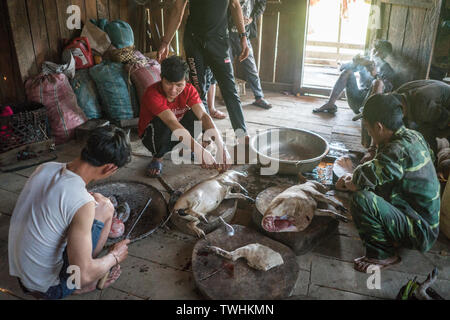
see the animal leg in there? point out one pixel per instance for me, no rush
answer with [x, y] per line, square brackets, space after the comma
[198, 215]
[238, 196]
[235, 184]
[323, 198]
[193, 226]
[320, 187]
[320, 212]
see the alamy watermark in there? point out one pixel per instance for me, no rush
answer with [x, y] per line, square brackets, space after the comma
[374, 281]
[74, 20]
[74, 280]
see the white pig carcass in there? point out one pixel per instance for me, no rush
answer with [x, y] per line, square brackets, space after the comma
[206, 196]
[293, 209]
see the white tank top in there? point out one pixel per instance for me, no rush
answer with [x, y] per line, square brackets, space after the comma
[39, 224]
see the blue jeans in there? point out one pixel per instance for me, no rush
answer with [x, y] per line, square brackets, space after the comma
[61, 290]
[249, 64]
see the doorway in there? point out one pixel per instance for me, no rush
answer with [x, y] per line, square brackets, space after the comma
[336, 32]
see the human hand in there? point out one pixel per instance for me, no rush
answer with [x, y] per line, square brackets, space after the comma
[345, 183]
[247, 21]
[208, 161]
[224, 160]
[120, 250]
[245, 49]
[163, 51]
[368, 156]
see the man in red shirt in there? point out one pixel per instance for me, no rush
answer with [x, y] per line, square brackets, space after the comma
[172, 106]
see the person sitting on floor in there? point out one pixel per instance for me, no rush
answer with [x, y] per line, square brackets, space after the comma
[172, 106]
[58, 224]
[396, 198]
[376, 76]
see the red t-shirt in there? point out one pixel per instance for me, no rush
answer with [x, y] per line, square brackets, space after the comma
[154, 102]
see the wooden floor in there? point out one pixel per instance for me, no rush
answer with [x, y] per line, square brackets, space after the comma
[158, 267]
[296, 112]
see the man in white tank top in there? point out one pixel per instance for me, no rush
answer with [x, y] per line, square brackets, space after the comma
[57, 226]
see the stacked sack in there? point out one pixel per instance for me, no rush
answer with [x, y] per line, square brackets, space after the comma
[123, 67]
[144, 72]
[108, 78]
[52, 89]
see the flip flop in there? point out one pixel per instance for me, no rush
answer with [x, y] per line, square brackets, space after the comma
[362, 264]
[331, 111]
[154, 165]
[262, 104]
[216, 114]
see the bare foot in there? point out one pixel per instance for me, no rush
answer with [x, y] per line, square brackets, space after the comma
[216, 114]
[114, 274]
[361, 264]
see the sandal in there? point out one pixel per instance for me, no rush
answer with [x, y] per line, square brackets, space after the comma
[332, 110]
[216, 114]
[154, 165]
[262, 104]
[363, 263]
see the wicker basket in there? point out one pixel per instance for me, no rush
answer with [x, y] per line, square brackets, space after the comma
[24, 128]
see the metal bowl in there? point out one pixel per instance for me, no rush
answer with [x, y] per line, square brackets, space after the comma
[294, 150]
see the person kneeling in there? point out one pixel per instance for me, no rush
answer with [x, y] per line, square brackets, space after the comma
[172, 106]
[396, 195]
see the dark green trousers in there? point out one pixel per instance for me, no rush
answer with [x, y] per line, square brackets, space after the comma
[381, 225]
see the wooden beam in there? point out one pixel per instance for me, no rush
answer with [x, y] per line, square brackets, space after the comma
[429, 32]
[91, 9]
[335, 45]
[425, 4]
[38, 31]
[54, 34]
[114, 9]
[23, 43]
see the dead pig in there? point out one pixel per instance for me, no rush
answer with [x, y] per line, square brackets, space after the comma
[293, 209]
[206, 196]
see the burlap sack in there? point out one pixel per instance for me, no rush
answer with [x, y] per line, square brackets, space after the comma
[98, 39]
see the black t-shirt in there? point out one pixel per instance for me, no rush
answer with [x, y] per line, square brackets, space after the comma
[208, 18]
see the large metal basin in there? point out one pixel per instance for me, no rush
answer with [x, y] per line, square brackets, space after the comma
[294, 150]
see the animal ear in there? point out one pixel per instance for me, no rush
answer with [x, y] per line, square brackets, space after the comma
[274, 204]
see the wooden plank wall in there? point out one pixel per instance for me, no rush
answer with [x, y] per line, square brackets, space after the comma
[11, 88]
[39, 27]
[411, 27]
[278, 50]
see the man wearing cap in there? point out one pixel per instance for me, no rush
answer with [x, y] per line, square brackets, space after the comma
[376, 76]
[426, 108]
[396, 198]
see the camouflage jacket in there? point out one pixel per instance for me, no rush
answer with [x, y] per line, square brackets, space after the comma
[403, 173]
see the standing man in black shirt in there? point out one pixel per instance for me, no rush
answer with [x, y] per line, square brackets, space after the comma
[206, 45]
